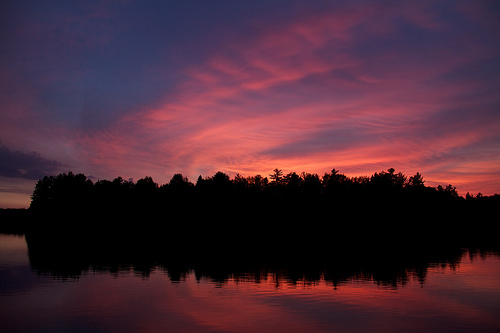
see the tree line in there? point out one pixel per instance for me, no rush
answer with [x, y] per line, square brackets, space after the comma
[278, 197]
[300, 214]
[70, 189]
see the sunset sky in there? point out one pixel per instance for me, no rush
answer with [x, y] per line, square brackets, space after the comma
[153, 88]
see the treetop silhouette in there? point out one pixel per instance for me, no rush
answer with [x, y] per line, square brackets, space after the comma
[72, 190]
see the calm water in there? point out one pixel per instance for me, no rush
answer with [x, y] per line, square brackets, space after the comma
[461, 296]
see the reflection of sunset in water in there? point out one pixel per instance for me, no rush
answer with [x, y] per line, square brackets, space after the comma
[463, 296]
[447, 293]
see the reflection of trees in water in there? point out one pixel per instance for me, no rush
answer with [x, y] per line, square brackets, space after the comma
[391, 269]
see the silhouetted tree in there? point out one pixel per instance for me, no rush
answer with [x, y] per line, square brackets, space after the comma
[43, 193]
[146, 194]
[221, 181]
[179, 183]
[387, 181]
[66, 191]
[258, 183]
[199, 181]
[449, 190]
[276, 176]
[311, 184]
[416, 181]
[146, 184]
[360, 182]
[335, 182]
[241, 183]
[292, 182]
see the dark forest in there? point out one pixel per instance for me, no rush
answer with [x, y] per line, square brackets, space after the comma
[293, 219]
[283, 206]
[384, 192]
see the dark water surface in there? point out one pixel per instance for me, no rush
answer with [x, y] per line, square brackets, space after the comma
[462, 295]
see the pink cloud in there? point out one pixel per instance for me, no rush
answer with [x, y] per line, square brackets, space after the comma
[249, 110]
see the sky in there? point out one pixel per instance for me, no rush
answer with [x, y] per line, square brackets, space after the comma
[154, 88]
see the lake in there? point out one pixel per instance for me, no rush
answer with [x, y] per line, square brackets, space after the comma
[461, 294]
